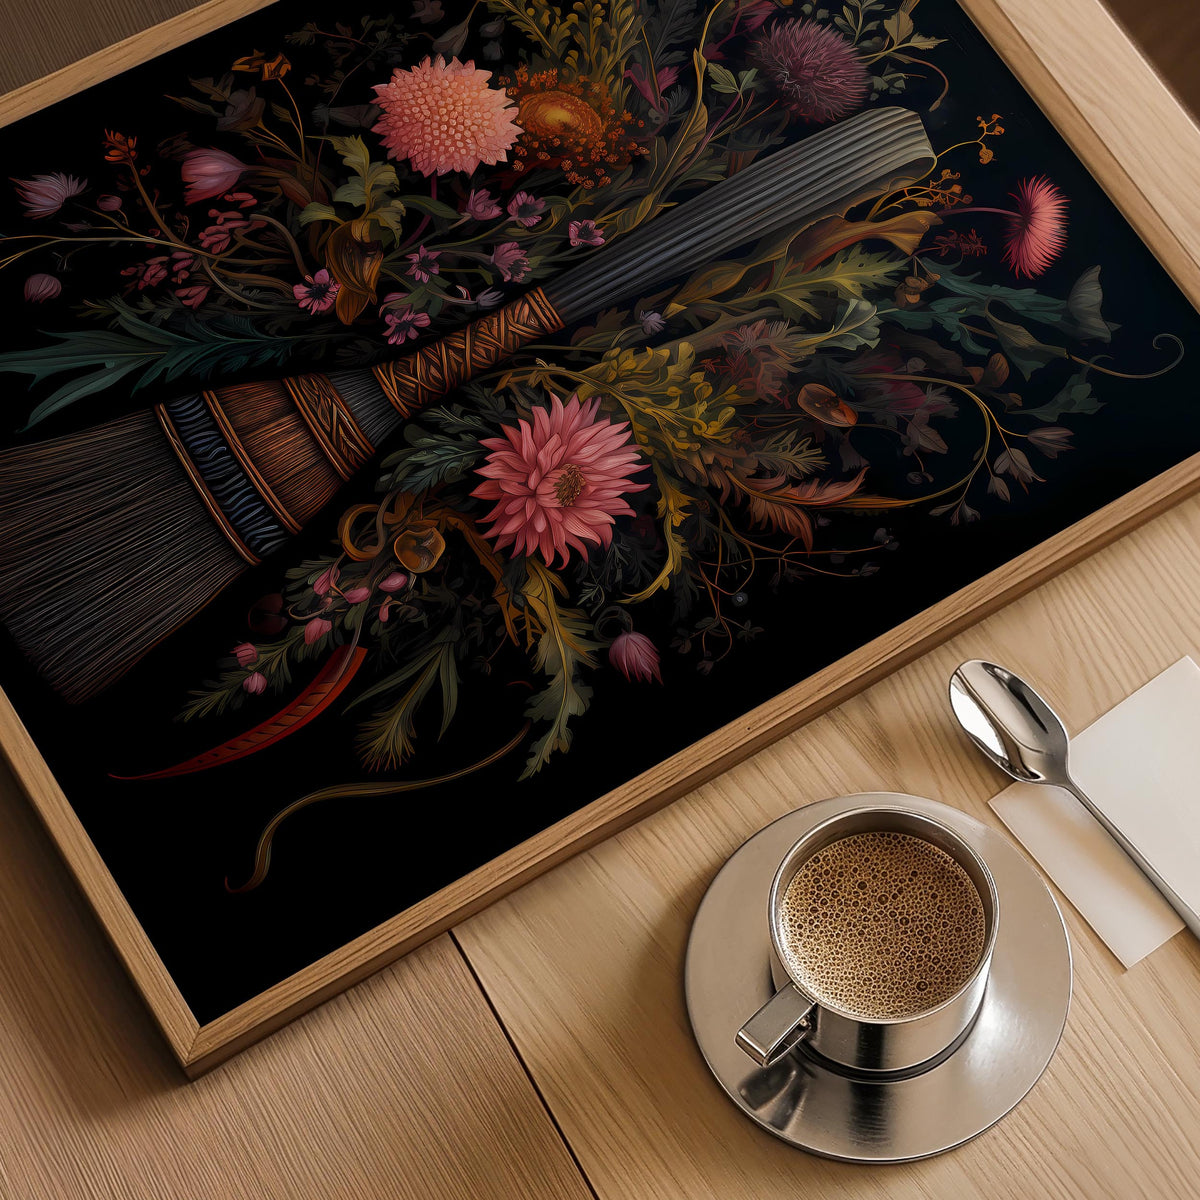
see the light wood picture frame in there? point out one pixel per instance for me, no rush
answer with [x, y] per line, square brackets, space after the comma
[1140, 197]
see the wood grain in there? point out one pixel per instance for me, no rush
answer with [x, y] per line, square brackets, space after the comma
[404, 1088]
[1122, 144]
[584, 965]
[61, 47]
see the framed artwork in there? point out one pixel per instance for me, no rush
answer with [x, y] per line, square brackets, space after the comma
[437, 434]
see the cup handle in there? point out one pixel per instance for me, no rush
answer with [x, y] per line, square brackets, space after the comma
[780, 1025]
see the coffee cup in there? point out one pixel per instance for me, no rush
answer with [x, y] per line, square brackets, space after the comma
[883, 923]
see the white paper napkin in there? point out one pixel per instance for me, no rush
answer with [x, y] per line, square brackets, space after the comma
[1140, 764]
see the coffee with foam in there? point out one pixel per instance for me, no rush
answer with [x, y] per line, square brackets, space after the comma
[882, 925]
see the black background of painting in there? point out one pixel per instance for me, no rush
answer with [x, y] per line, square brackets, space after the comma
[342, 867]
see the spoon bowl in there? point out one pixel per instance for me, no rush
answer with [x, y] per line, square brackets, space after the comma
[1023, 736]
[1010, 723]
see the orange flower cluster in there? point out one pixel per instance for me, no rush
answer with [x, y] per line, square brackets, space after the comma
[119, 147]
[572, 125]
[943, 192]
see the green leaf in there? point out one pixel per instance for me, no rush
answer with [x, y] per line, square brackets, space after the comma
[353, 191]
[722, 79]
[427, 204]
[1083, 308]
[857, 327]
[1021, 348]
[317, 212]
[899, 26]
[391, 217]
[1075, 397]
[354, 153]
[386, 739]
[198, 349]
[563, 647]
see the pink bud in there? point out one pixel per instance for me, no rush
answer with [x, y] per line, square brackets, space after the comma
[316, 629]
[108, 203]
[255, 684]
[358, 595]
[393, 582]
[383, 610]
[245, 653]
[635, 656]
[326, 580]
[42, 287]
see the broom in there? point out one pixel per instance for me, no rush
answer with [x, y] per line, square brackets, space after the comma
[154, 513]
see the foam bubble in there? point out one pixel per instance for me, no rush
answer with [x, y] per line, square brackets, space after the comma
[896, 955]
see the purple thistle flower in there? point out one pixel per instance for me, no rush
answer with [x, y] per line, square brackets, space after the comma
[481, 206]
[404, 324]
[44, 195]
[424, 264]
[526, 209]
[585, 233]
[317, 293]
[511, 262]
[817, 72]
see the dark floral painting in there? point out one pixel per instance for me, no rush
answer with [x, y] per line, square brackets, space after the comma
[419, 417]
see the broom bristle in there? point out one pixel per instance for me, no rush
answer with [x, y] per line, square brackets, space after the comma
[105, 548]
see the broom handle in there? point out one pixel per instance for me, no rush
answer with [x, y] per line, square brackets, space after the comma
[435, 370]
[265, 457]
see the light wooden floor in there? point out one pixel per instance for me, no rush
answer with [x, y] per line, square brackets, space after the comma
[542, 1050]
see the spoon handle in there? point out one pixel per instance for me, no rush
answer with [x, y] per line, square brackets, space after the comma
[1187, 914]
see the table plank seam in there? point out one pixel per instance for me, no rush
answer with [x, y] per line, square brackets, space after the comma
[508, 1037]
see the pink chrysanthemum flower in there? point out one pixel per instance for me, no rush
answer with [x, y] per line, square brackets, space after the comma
[443, 117]
[1037, 231]
[817, 72]
[560, 481]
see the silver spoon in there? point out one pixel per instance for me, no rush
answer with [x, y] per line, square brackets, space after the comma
[1023, 735]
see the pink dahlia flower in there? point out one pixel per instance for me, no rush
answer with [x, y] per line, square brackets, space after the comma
[42, 287]
[317, 293]
[209, 172]
[511, 262]
[404, 324]
[481, 206]
[424, 263]
[559, 481]
[1037, 231]
[44, 195]
[817, 72]
[526, 209]
[635, 656]
[585, 233]
[443, 117]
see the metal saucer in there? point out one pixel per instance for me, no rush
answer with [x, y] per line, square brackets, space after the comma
[818, 1107]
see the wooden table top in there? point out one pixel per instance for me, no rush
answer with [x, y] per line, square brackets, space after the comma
[542, 1049]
